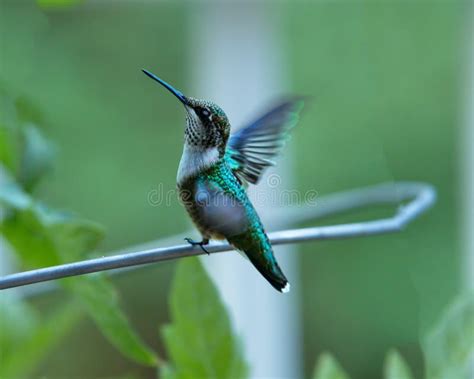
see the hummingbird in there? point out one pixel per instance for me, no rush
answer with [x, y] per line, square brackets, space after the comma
[216, 167]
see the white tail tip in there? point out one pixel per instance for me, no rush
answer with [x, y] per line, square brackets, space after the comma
[286, 288]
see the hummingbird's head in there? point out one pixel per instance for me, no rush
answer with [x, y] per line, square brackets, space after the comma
[207, 126]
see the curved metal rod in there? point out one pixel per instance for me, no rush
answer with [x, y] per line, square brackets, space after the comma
[421, 196]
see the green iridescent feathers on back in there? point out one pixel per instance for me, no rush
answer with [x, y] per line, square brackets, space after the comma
[252, 149]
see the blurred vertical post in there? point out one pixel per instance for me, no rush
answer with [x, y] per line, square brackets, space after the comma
[235, 60]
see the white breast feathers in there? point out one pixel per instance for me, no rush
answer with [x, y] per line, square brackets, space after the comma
[195, 160]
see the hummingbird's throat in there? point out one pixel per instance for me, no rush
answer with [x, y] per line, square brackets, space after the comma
[201, 135]
[195, 160]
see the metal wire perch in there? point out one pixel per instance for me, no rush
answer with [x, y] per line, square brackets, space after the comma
[420, 196]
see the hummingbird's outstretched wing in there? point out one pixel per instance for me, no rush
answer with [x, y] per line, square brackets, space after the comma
[251, 149]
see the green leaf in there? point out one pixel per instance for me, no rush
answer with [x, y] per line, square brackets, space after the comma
[8, 141]
[42, 237]
[39, 343]
[18, 320]
[37, 157]
[101, 301]
[450, 344]
[9, 133]
[200, 341]
[395, 366]
[328, 368]
[11, 195]
[28, 236]
[24, 152]
[73, 237]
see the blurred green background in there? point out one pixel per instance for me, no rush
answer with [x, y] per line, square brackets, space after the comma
[388, 86]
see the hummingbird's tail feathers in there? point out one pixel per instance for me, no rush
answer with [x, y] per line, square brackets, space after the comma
[260, 253]
[274, 275]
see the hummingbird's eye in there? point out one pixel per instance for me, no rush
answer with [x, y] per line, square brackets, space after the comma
[205, 112]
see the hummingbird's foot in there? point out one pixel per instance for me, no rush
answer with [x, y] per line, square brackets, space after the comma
[201, 244]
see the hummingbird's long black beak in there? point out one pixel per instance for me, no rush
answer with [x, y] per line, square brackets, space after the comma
[170, 88]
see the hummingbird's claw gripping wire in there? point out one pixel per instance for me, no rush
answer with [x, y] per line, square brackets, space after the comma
[201, 244]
